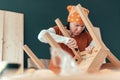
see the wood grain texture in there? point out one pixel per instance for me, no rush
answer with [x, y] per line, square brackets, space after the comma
[1, 33]
[11, 36]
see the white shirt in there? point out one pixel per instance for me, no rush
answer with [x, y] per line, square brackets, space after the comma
[51, 31]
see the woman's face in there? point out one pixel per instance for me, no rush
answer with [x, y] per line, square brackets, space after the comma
[76, 29]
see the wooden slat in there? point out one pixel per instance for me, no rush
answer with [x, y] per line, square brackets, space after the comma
[51, 41]
[113, 59]
[13, 37]
[1, 33]
[29, 52]
[77, 57]
[88, 25]
[61, 27]
[93, 63]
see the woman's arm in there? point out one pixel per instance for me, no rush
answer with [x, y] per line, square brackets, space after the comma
[51, 31]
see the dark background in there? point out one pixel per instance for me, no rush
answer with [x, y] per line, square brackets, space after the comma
[40, 14]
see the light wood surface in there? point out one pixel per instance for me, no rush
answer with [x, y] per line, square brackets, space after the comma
[1, 33]
[47, 75]
[11, 36]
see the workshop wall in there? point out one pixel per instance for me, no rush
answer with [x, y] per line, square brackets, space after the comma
[40, 14]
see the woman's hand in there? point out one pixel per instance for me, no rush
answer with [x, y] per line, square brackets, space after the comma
[89, 49]
[72, 43]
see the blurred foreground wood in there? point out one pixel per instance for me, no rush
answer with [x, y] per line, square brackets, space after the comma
[45, 74]
[11, 37]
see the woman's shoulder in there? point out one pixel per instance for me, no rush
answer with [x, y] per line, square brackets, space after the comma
[57, 30]
[56, 27]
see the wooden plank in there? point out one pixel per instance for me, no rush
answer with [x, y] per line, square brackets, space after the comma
[76, 51]
[53, 45]
[13, 37]
[113, 59]
[29, 52]
[97, 32]
[88, 25]
[1, 33]
[61, 27]
[51, 41]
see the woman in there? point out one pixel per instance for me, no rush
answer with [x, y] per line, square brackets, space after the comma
[80, 37]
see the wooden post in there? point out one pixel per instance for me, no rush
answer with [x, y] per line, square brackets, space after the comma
[29, 52]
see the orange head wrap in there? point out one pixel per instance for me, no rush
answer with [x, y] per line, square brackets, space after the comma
[74, 16]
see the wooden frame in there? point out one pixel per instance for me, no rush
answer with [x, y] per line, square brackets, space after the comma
[100, 51]
[84, 62]
[94, 61]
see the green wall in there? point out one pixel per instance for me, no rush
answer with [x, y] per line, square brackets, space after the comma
[40, 14]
